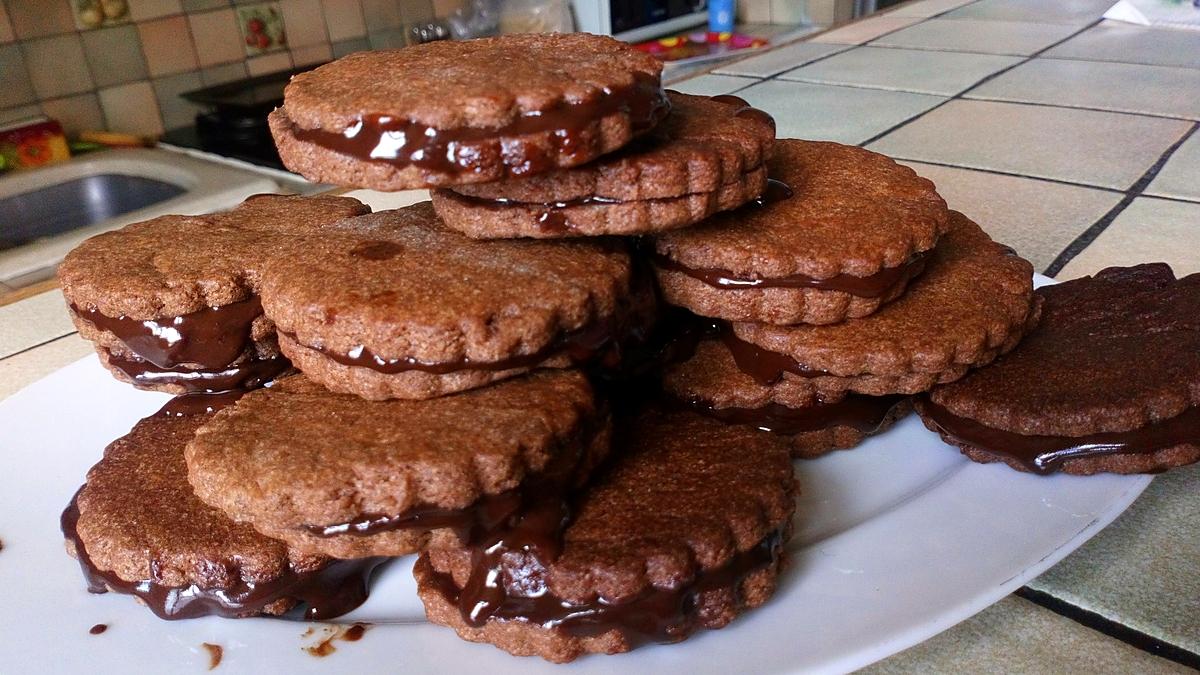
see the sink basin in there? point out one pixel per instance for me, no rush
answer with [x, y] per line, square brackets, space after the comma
[46, 212]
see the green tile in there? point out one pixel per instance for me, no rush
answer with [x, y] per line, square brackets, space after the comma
[114, 55]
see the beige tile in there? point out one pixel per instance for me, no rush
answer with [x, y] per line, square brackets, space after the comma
[1074, 12]
[927, 8]
[1017, 636]
[843, 114]
[444, 8]
[345, 47]
[114, 55]
[131, 108]
[1142, 570]
[15, 85]
[415, 11]
[57, 66]
[33, 321]
[37, 18]
[381, 14]
[711, 85]
[925, 72]
[76, 113]
[306, 56]
[142, 10]
[223, 73]
[988, 37]
[6, 31]
[1180, 177]
[1154, 90]
[201, 5]
[1036, 217]
[865, 30]
[167, 44]
[304, 22]
[780, 59]
[1126, 43]
[24, 369]
[789, 12]
[754, 11]
[1148, 230]
[19, 113]
[175, 110]
[271, 63]
[344, 19]
[217, 37]
[1096, 148]
[388, 38]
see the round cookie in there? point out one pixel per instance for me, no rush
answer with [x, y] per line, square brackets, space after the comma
[845, 233]
[338, 475]
[135, 527]
[707, 156]
[170, 303]
[709, 381]
[685, 529]
[394, 305]
[974, 302]
[467, 111]
[1108, 382]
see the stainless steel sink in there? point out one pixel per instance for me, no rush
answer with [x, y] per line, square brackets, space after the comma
[45, 213]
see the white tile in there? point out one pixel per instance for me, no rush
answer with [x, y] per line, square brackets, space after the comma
[1096, 148]
[1037, 218]
[1148, 230]
[1074, 12]
[865, 30]
[927, 8]
[711, 85]
[132, 109]
[827, 113]
[307, 56]
[1153, 90]
[1127, 43]
[1180, 177]
[217, 37]
[304, 22]
[780, 59]
[926, 72]
[344, 19]
[271, 63]
[1019, 38]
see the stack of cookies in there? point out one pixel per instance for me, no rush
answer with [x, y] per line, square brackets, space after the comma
[572, 383]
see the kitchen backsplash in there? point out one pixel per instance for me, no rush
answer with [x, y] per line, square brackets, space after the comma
[121, 64]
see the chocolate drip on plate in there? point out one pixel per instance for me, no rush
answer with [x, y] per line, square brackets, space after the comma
[857, 411]
[877, 285]
[1047, 454]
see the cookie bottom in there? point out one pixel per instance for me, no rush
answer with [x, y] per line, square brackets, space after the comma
[813, 444]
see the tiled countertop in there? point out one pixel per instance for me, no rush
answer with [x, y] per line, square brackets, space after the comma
[1070, 138]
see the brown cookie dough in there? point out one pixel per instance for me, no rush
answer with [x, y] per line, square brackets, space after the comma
[685, 529]
[1109, 381]
[974, 302]
[171, 303]
[137, 528]
[846, 235]
[469, 111]
[394, 305]
[707, 156]
[710, 382]
[335, 474]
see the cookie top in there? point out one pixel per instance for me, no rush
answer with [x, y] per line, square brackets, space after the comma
[851, 211]
[705, 143]
[974, 296]
[296, 458]
[401, 285]
[174, 265]
[449, 84]
[1113, 352]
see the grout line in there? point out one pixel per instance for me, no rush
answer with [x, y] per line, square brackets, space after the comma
[40, 344]
[1063, 106]
[1136, 190]
[1113, 629]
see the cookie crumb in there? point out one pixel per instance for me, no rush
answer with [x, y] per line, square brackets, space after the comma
[325, 647]
[215, 652]
[98, 629]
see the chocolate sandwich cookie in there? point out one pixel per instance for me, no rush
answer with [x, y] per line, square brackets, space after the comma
[685, 529]
[974, 302]
[341, 476]
[707, 156]
[1109, 381]
[170, 303]
[469, 111]
[840, 232]
[710, 382]
[394, 305]
[136, 528]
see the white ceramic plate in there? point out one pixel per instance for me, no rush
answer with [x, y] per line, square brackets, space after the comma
[896, 541]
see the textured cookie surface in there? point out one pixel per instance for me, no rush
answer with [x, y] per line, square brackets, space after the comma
[467, 111]
[685, 498]
[974, 301]
[1113, 354]
[439, 312]
[295, 459]
[706, 156]
[851, 213]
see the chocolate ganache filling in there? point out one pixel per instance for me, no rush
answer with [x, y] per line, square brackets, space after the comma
[857, 411]
[1047, 454]
[403, 142]
[330, 591]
